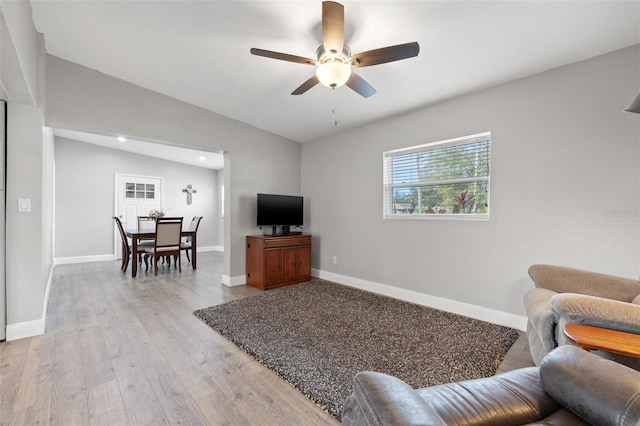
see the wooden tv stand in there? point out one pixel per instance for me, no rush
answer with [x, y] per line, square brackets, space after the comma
[277, 261]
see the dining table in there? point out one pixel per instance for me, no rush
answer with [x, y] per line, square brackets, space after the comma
[138, 235]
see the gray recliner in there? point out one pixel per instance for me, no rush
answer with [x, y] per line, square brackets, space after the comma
[571, 387]
[562, 295]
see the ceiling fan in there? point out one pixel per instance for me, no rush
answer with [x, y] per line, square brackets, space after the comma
[335, 61]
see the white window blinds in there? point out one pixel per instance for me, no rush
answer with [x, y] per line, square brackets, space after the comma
[449, 178]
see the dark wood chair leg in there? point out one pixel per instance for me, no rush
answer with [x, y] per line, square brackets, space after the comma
[125, 259]
[187, 252]
[155, 266]
[124, 252]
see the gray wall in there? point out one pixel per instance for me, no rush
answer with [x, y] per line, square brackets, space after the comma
[564, 188]
[79, 98]
[29, 236]
[88, 203]
[20, 49]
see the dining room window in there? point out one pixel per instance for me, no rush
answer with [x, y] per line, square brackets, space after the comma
[140, 190]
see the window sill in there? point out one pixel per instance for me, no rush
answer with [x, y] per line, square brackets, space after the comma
[436, 216]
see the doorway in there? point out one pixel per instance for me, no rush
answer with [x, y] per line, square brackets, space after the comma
[135, 196]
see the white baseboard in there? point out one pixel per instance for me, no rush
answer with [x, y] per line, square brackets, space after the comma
[506, 319]
[210, 248]
[84, 259]
[25, 329]
[111, 257]
[234, 281]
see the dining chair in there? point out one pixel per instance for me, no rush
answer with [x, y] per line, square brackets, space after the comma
[126, 247]
[146, 223]
[167, 242]
[186, 244]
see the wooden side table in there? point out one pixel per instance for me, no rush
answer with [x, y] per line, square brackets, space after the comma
[590, 338]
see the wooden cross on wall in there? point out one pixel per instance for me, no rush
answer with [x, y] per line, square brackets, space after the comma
[189, 190]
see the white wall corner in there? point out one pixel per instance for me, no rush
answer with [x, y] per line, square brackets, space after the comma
[506, 319]
[234, 281]
[46, 298]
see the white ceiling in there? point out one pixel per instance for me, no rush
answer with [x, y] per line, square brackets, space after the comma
[193, 157]
[198, 51]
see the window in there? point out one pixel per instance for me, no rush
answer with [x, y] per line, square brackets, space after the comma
[446, 179]
[140, 190]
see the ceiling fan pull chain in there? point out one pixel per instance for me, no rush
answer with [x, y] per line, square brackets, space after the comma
[333, 107]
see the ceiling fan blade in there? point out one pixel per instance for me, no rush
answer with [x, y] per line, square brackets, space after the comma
[306, 86]
[332, 27]
[385, 54]
[360, 85]
[283, 56]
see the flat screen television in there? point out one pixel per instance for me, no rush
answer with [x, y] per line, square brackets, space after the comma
[280, 210]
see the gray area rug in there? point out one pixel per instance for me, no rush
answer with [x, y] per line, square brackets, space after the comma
[319, 334]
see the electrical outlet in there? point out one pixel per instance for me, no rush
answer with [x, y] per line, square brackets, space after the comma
[335, 260]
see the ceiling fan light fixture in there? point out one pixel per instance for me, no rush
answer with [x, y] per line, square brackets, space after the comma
[334, 63]
[333, 73]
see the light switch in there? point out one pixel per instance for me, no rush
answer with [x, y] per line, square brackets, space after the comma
[24, 205]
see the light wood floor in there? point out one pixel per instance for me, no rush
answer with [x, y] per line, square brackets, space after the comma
[120, 351]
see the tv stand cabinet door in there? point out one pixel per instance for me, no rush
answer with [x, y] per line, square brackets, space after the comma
[304, 262]
[289, 264]
[272, 267]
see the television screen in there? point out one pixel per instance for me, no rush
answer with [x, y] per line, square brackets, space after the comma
[279, 210]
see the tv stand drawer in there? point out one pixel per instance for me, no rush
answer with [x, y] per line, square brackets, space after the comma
[287, 241]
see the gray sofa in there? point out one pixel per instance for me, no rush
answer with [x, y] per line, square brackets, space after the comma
[571, 387]
[563, 295]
